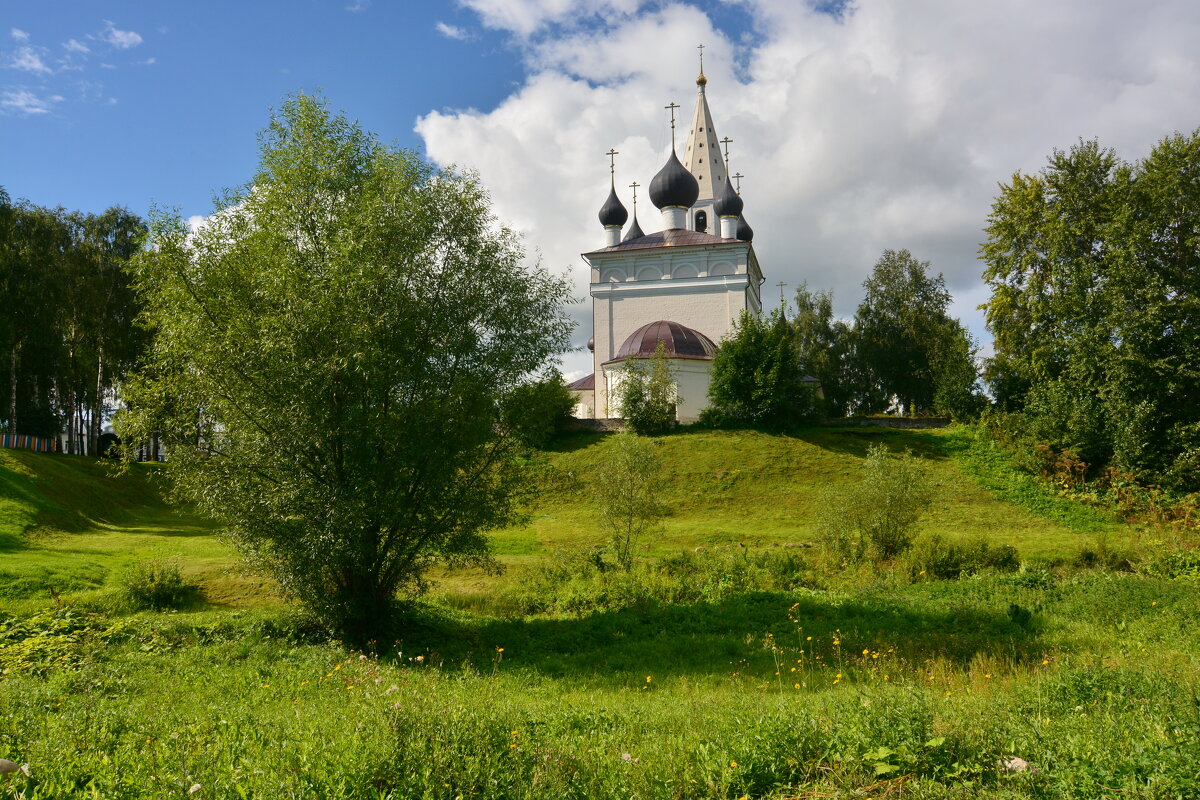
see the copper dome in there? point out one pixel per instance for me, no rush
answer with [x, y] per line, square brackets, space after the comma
[679, 341]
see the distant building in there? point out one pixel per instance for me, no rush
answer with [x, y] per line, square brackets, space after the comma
[684, 286]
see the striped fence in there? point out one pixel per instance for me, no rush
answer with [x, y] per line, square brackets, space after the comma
[16, 441]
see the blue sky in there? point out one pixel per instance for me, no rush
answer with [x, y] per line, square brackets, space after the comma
[166, 102]
[861, 125]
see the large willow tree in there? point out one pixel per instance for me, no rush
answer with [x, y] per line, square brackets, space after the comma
[330, 353]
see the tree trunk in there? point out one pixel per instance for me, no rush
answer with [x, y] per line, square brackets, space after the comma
[12, 389]
[98, 410]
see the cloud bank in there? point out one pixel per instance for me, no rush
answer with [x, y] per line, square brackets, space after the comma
[880, 125]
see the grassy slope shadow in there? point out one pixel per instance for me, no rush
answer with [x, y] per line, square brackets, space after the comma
[728, 636]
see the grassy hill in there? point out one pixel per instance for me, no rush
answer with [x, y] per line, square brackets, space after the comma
[74, 524]
[727, 672]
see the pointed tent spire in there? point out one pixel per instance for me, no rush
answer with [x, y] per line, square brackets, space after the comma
[702, 155]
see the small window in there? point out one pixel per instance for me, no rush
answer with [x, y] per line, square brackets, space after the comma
[702, 144]
[701, 221]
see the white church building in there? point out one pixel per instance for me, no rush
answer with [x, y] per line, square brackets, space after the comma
[684, 286]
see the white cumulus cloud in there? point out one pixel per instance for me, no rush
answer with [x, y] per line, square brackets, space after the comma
[889, 126]
[76, 46]
[19, 35]
[122, 40]
[453, 32]
[526, 17]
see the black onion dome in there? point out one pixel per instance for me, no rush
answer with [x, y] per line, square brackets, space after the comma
[679, 341]
[634, 232]
[729, 204]
[674, 186]
[613, 213]
[744, 231]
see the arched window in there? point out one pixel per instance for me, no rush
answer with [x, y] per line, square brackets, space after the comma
[701, 221]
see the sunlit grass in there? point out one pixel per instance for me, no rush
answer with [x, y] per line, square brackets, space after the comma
[817, 682]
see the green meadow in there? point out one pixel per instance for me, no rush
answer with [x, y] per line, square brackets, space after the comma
[734, 661]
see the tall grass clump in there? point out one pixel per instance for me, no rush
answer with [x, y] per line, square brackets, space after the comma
[936, 556]
[582, 582]
[157, 586]
[875, 516]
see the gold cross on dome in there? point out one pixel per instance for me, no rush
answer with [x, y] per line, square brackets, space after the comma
[726, 142]
[634, 186]
[738, 178]
[612, 161]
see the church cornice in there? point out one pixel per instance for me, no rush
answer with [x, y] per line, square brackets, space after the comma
[675, 240]
[714, 283]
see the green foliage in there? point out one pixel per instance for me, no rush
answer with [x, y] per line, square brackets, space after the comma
[909, 347]
[538, 411]
[826, 349]
[1172, 563]
[55, 638]
[876, 516]
[1093, 269]
[74, 339]
[157, 586]
[625, 485]
[935, 556]
[758, 378]
[330, 354]
[647, 393]
[582, 583]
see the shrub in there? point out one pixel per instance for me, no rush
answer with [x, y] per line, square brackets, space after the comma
[876, 516]
[1174, 564]
[647, 393]
[1102, 555]
[626, 489]
[537, 412]
[157, 585]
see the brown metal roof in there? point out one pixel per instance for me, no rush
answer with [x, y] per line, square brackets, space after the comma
[679, 341]
[584, 384]
[676, 237]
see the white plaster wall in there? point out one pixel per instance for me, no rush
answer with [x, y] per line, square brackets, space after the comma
[691, 376]
[710, 306]
[705, 288]
[585, 403]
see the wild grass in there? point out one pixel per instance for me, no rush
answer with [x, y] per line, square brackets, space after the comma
[733, 660]
[917, 691]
